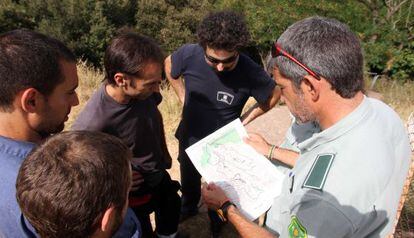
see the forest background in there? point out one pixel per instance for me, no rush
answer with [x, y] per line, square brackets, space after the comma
[385, 27]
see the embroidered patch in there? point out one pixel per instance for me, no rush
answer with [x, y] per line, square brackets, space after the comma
[225, 97]
[319, 171]
[296, 230]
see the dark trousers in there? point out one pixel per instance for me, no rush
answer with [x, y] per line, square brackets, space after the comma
[191, 189]
[166, 203]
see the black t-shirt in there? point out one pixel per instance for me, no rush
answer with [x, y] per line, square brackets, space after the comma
[137, 124]
[213, 99]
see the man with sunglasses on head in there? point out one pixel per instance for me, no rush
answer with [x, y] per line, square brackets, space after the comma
[218, 80]
[348, 178]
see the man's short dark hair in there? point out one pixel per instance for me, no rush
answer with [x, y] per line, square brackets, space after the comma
[128, 53]
[224, 30]
[29, 60]
[65, 185]
[329, 48]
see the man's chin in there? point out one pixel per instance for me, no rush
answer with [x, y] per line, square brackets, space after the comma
[143, 96]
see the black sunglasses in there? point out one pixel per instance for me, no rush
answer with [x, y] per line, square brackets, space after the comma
[278, 51]
[213, 60]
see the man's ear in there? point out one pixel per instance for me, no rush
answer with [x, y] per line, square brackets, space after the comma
[120, 79]
[311, 86]
[30, 100]
[108, 219]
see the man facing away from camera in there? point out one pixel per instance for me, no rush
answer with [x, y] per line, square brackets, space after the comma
[76, 184]
[218, 80]
[348, 178]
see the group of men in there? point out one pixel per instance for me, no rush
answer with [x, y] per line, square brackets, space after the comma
[346, 156]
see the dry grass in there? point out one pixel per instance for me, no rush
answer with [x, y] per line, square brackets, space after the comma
[399, 96]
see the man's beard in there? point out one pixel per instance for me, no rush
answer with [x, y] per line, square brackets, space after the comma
[302, 112]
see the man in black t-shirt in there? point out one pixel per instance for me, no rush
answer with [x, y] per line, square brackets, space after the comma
[218, 80]
[126, 106]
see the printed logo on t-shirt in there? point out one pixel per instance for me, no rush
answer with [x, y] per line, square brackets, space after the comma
[225, 97]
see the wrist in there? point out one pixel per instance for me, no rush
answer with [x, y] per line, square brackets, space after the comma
[271, 151]
[222, 212]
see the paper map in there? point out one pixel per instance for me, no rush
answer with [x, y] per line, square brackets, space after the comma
[247, 177]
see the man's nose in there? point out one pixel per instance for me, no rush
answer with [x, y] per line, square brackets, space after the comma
[220, 67]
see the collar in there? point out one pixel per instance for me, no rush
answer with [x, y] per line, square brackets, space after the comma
[340, 128]
[28, 229]
[15, 147]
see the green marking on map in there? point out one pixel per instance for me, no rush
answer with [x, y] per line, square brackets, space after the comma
[230, 136]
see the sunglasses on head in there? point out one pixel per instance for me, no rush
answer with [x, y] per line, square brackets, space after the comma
[213, 60]
[278, 51]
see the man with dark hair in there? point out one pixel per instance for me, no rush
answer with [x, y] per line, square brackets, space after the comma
[218, 80]
[349, 177]
[38, 79]
[126, 106]
[75, 184]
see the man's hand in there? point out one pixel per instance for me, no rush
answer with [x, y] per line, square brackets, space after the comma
[137, 180]
[213, 196]
[258, 143]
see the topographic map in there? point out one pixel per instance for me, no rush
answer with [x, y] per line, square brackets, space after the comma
[247, 177]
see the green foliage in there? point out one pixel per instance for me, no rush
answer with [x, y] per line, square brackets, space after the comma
[403, 66]
[385, 27]
[172, 23]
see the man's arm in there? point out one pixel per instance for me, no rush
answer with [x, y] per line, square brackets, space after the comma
[259, 109]
[177, 84]
[285, 156]
[215, 197]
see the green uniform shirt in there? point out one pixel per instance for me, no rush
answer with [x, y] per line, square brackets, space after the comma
[348, 179]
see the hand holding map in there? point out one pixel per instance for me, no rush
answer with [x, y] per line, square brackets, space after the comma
[247, 177]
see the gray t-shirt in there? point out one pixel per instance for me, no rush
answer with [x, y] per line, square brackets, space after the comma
[137, 123]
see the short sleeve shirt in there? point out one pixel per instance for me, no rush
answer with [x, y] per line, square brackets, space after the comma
[137, 123]
[213, 99]
[12, 155]
[356, 193]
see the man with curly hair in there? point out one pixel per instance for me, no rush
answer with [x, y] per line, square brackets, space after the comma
[218, 80]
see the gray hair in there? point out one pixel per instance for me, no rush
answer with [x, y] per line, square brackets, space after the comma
[329, 48]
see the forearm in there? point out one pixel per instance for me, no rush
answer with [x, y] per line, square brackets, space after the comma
[177, 84]
[285, 156]
[259, 109]
[245, 227]
[251, 114]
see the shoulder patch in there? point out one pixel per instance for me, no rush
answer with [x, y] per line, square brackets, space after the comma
[317, 175]
[296, 230]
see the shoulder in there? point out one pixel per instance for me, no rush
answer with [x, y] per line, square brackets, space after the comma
[130, 227]
[186, 51]
[93, 115]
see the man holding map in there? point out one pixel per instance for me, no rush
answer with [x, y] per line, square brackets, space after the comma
[348, 178]
[218, 80]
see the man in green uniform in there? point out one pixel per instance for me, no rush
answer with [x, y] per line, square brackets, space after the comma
[348, 178]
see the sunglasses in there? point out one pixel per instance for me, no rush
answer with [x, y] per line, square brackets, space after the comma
[213, 60]
[278, 51]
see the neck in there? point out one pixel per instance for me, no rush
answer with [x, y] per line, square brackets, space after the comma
[117, 94]
[14, 126]
[337, 108]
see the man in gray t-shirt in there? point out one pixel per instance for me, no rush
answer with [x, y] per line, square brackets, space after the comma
[126, 106]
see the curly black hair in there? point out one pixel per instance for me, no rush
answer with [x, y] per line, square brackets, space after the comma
[224, 30]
